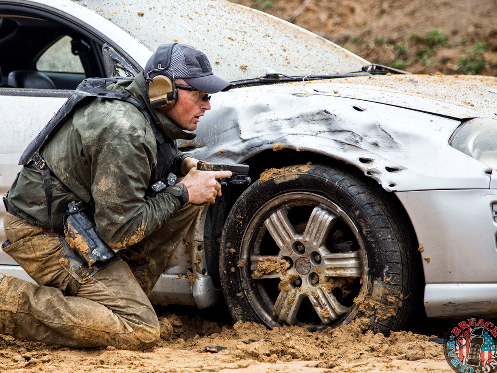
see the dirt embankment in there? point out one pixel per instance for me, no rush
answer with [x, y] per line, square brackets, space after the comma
[248, 348]
[420, 36]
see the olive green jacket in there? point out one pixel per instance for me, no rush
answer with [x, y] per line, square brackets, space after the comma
[103, 155]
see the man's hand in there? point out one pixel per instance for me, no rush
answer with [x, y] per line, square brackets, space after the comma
[202, 185]
[188, 164]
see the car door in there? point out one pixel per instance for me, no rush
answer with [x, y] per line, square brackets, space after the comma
[46, 53]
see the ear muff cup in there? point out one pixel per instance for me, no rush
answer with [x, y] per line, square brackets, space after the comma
[162, 92]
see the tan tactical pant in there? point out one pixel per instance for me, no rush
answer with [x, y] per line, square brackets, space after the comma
[110, 309]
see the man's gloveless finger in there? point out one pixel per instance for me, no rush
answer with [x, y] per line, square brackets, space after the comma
[222, 174]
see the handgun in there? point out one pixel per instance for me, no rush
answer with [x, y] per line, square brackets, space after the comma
[239, 172]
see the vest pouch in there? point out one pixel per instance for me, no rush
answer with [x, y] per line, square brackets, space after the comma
[80, 235]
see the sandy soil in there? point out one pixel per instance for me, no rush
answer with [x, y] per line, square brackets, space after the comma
[249, 347]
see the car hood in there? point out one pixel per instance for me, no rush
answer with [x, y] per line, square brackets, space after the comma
[240, 42]
[456, 97]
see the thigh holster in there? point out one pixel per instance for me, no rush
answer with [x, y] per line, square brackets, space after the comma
[84, 251]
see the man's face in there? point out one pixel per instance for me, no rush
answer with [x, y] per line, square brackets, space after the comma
[188, 109]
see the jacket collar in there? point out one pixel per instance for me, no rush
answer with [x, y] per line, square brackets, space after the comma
[138, 89]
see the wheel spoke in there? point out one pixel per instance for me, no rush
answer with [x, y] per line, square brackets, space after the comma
[266, 267]
[287, 305]
[342, 265]
[281, 229]
[326, 305]
[319, 225]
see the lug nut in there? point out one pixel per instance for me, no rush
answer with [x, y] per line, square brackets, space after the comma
[300, 247]
[297, 282]
[314, 279]
[316, 257]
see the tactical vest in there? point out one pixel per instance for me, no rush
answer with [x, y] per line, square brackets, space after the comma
[91, 88]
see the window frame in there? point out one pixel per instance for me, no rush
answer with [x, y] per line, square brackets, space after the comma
[95, 38]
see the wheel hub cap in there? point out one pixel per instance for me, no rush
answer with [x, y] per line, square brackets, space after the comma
[303, 266]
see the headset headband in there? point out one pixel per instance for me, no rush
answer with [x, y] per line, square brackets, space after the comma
[162, 56]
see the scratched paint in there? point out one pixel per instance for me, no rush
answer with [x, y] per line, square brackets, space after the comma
[390, 140]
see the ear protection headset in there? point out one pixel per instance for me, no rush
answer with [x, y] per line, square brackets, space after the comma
[162, 91]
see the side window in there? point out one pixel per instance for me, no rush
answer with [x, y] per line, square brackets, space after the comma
[59, 58]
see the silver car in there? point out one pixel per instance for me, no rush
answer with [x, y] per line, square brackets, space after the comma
[373, 193]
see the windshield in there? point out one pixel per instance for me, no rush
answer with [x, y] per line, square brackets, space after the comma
[241, 43]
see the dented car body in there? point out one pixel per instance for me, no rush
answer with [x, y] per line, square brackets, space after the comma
[374, 193]
[397, 143]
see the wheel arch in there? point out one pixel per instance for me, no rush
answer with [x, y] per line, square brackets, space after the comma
[269, 158]
[288, 156]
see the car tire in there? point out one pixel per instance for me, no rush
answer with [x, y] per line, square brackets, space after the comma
[318, 246]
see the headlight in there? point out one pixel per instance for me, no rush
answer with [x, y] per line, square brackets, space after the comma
[478, 139]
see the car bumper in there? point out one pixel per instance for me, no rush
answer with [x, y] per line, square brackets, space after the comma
[456, 231]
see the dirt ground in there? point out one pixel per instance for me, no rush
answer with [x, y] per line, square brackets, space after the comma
[251, 348]
[420, 36]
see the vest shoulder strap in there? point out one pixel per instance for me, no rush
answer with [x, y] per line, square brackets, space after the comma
[88, 88]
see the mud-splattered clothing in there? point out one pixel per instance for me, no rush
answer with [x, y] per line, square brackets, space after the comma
[110, 309]
[104, 155]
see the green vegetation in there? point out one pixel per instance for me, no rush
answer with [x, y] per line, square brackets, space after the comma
[400, 51]
[434, 38]
[400, 56]
[379, 41]
[473, 62]
[424, 48]
[264, 4]
[431, 40]
[357, 40]
[426, 57]
[398, 64]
